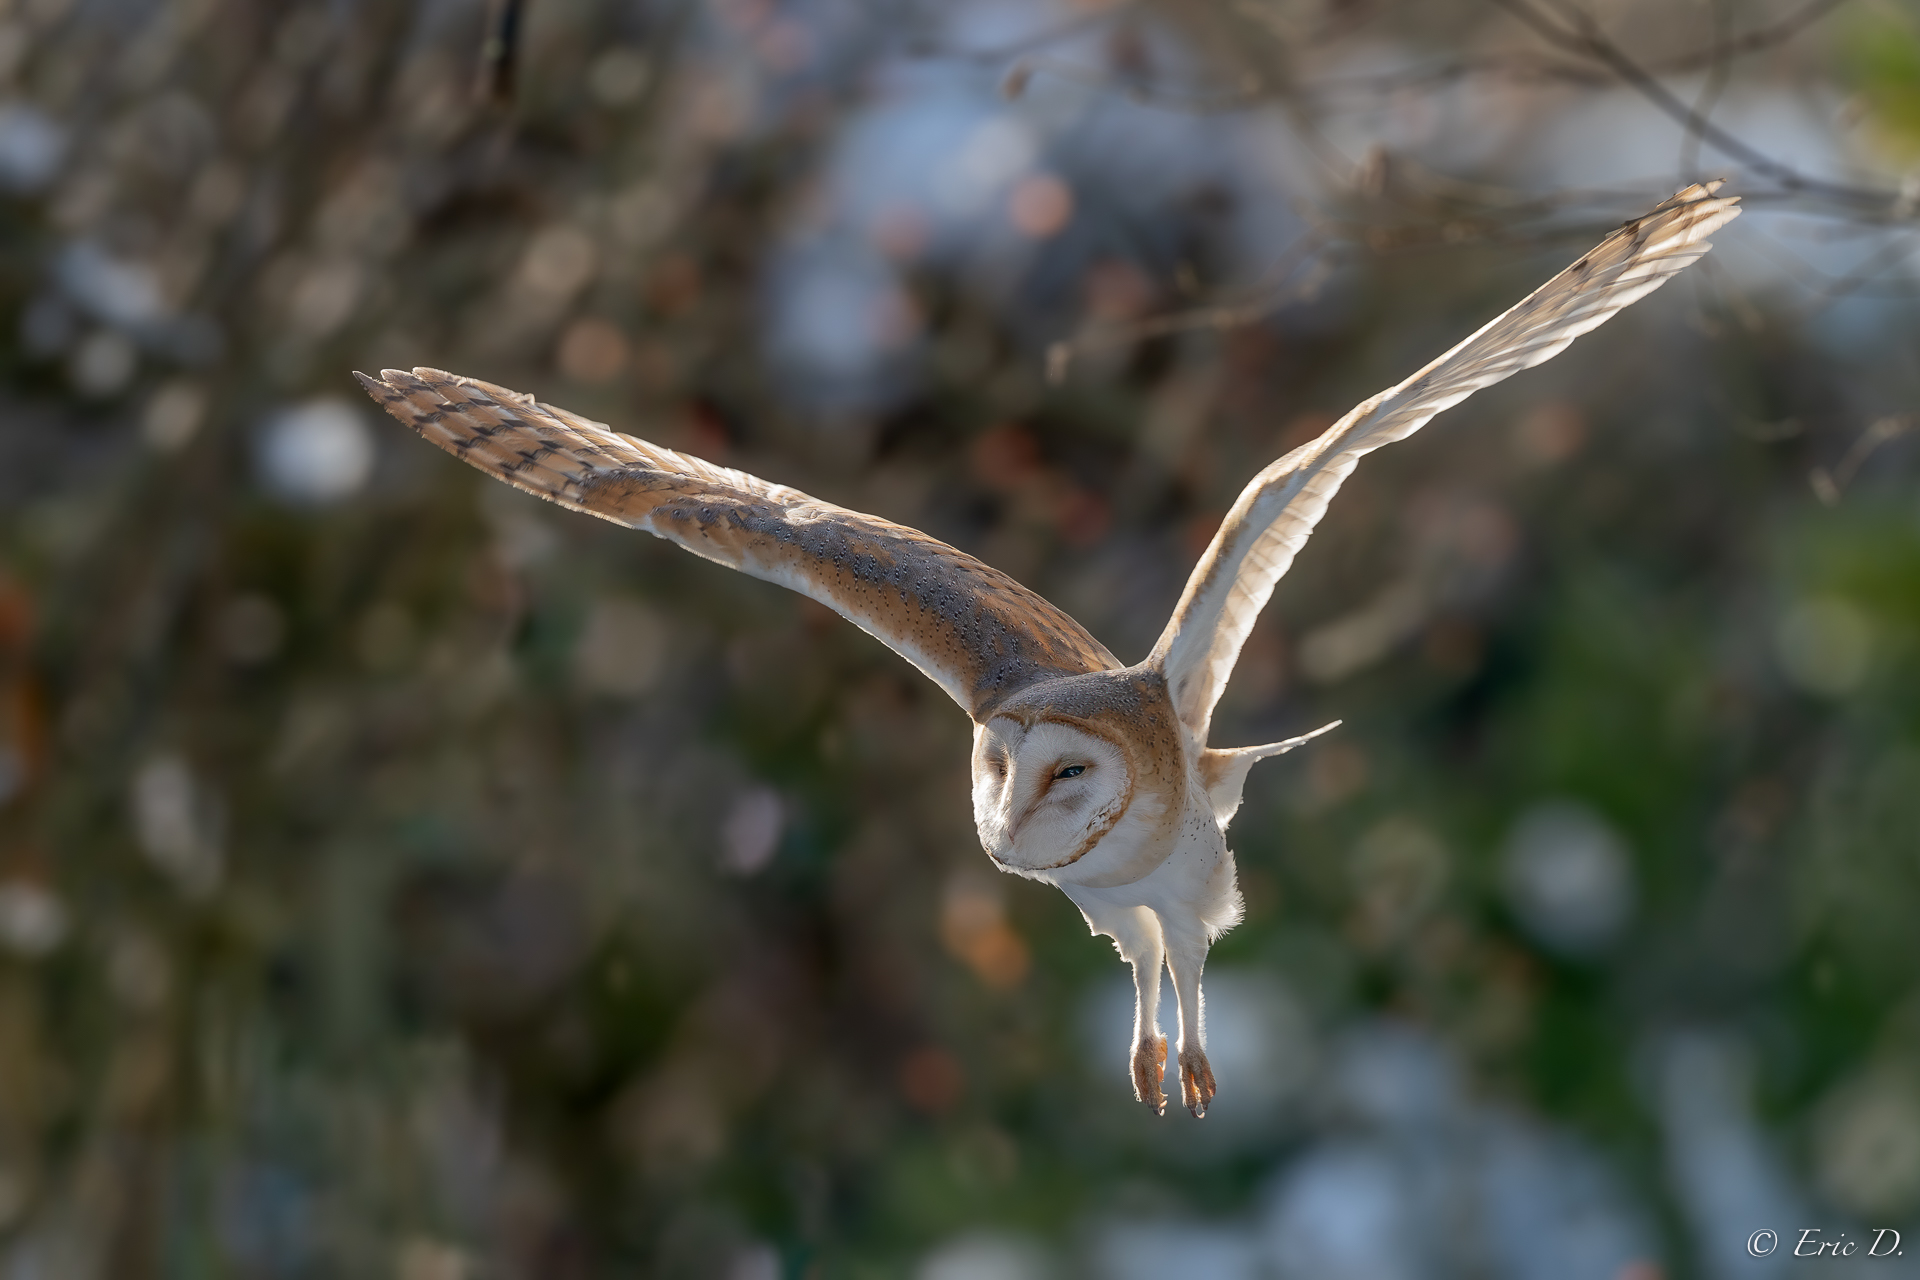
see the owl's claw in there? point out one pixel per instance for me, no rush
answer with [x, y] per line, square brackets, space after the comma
[1196, 1080]
[1149, 1070]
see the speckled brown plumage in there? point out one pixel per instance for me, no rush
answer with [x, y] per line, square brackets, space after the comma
[979, 634]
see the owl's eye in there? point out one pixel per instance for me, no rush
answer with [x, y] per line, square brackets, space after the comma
[1071, 771]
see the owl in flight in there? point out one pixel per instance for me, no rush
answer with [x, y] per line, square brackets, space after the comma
[1088, 773]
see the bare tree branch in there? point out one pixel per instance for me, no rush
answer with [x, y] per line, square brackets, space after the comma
[1583, 36]
[1754, 41]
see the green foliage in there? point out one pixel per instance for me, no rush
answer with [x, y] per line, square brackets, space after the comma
[1881, 60]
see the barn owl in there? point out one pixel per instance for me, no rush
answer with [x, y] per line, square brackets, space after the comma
[1088, 774]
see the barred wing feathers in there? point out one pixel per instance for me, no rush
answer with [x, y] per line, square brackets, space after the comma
[1277, 512]
[974, 631]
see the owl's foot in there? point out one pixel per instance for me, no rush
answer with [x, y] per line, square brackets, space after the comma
[1149, 1070]
[1196, 1080]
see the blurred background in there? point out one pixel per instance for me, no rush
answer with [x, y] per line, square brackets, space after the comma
[402, 877]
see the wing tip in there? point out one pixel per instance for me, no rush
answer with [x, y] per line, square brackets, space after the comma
[1695, 210]
[1696, 193]
[390, 389]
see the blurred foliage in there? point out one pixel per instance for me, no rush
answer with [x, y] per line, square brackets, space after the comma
[399, 877]
[1882, 65]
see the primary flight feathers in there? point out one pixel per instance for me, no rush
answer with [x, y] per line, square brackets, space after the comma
[1277, 511]
[977, 633]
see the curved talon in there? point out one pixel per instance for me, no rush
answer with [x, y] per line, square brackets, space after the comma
[1149, 1070]
[1196, 1080]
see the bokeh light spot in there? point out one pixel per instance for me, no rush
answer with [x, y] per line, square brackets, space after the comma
[1568, 876]
[1825, 645]
[251, 629]
[618, 77]
[316, 453]
[173, 415]
[592, 350]
[931, 1080]
[102, 364]
[1041, 206]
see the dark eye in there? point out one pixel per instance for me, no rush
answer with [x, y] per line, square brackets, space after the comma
[1071, 771]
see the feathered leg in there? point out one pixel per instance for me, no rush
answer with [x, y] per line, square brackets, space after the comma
[1186, 956]
[1136, 931]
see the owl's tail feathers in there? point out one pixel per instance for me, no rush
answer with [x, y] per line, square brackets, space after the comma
[1224, 770]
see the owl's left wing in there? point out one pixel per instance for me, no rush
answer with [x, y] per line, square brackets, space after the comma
[1277, 512]
[974, 631]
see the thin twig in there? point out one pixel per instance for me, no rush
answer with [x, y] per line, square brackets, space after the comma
[1026, 44]
[1856, 280]
[1216, 316]
[1853, 283]
[1583, 36]
[1518, 66]
[1829, 485]
[1523, 66]
[500, 52]
[1717, 75]
[1754, 41]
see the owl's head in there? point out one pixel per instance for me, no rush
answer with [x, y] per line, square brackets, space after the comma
[1081, 779]
[1045, 791]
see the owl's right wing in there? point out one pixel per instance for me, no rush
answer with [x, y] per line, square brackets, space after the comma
[1279, 509]
[974, 631]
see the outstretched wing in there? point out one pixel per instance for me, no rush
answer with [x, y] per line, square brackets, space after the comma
[974, 631]
[1278, 510]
